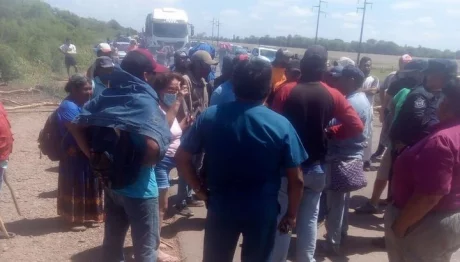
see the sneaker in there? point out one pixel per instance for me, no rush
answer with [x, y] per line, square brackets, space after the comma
[376, 158]
[368, 208]
[194, 203]
[184, 211]
[367, 166]
[330, 249]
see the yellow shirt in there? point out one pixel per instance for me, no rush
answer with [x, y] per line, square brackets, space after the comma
[278, 76]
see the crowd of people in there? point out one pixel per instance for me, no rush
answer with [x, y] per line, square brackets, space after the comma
[266, 148]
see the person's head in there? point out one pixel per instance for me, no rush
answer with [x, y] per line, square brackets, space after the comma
[449, 109]
[282, 58]
[439, 73]
[404, 60]
[252, 79]
[141, 64]
[79, 89]
[167, 86]
[180, 60]
[103, 49]
[365, 64]
[133, 42]
[412, 74]
[332, 76]
[104, 66]
[68, 41]
[201, 62]
[227, 66]
[293, 71]
[313, 64]
[344, 61]
[351, 79]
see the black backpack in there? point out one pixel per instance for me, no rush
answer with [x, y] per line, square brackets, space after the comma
[115, 159]
[50, 139]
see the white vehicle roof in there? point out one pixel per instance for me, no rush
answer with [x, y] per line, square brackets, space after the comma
[266, 48]
[170, 14]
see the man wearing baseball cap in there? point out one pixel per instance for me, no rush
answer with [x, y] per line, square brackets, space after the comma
[408, 78]
[310, 106]
[347, 153]
[385, 99]
[103, 68]
[102, 49]
[195, 102]
[127, 155]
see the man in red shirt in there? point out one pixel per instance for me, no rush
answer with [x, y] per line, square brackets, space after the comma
[423, 224]
[6, 146]
[281, 94]
[310, 106]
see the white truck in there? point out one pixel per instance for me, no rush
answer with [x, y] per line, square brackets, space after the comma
[167, 27]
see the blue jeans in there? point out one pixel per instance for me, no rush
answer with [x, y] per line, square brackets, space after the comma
[162, 170]
[143, 217]
[337, 218]
[307, 218]
[222, 231]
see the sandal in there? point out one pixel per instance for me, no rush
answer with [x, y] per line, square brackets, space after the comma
[10, 235]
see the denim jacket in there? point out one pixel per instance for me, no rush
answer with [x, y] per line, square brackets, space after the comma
[353, 147]
[130, 105]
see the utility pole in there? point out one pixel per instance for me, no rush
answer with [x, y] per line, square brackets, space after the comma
[364, 8]
[218, 24]
[212, 31]
[319, 13]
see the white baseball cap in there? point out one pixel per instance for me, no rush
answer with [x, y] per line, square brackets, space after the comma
[104, 47]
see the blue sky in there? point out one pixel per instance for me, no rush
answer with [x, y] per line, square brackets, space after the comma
[430, 23]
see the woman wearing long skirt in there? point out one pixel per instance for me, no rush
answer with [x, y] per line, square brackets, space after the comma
[79, 199]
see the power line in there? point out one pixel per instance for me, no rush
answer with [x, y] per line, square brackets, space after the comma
[319, 13]
[364, 8]
[212, 31]
[218, 24]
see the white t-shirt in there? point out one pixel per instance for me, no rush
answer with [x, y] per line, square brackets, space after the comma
[68, 49]
[369, 83]
[176, 132]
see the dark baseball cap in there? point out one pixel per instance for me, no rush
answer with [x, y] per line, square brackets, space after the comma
[336, 71]
[293, 65]
[141, 60]
[441, 66]
[351, 71]
[415, 65]
[180, 54]
[315, 57]
[104, 62]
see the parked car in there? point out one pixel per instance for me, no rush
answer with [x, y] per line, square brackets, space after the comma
[264, 53]
[120, 50]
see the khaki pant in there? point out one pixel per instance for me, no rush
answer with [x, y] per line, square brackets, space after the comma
[434, 239]
[383, 172]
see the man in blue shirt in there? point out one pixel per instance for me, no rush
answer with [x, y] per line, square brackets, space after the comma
[224, 92]
[248, 147]
[132, 107]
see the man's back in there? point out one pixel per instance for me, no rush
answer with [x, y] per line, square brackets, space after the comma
[246, 144]
[309, 108]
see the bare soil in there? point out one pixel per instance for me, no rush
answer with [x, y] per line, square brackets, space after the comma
[40, 234]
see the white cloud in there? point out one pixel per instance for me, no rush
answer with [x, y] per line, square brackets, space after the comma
[347, 25]
[297, 11]
[347, 17]
[403, 5]
[453, 12]
[229, 12]
[426, 21]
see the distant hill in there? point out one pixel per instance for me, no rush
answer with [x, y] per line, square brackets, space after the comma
[31, 32]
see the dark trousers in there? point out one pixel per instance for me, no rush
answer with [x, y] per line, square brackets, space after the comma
[223, 230]
[143, 217]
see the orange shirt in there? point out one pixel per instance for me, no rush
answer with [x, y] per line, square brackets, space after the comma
[6, 137]
[278, 76]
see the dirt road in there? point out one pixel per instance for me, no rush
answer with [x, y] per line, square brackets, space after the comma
[42, 237]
